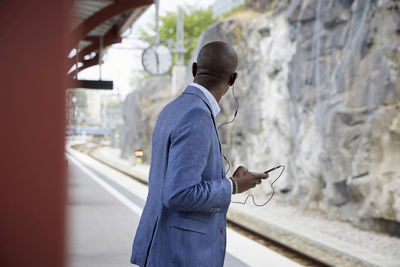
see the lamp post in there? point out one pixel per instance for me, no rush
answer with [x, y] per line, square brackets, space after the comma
[73, 116]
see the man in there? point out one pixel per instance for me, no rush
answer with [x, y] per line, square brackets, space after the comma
[184, 219]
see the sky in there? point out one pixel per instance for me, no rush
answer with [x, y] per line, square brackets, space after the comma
[122, 60]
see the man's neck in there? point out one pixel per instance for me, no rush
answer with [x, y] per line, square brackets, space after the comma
[216, 92]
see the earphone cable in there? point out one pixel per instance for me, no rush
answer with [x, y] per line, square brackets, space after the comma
[229, 165]
[270, 197]
[236, 111]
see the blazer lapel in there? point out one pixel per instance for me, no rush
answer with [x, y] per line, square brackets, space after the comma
[195, 91]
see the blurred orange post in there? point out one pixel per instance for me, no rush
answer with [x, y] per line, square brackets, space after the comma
[34, 36]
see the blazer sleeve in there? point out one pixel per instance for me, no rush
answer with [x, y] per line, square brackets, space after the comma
[189, 150]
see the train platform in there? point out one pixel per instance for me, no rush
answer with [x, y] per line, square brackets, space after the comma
[104, 208]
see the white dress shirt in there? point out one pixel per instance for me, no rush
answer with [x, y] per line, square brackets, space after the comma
[215, 109]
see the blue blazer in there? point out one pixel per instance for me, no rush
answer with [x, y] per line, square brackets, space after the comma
[184, 219]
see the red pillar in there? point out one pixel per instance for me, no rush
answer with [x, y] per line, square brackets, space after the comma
[33, 42]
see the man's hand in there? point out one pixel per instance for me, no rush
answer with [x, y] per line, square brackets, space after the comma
[246, 180]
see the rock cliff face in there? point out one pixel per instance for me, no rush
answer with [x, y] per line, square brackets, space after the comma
[344, 100]
[141, 109]
[319, 92]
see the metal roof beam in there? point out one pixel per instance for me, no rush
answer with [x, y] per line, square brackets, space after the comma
[86, 64]
[119, 6]
[111, 37]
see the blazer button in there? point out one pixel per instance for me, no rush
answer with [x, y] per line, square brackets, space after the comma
[223, 230]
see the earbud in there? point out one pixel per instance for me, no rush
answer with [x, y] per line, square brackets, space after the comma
[233, 79]
[237, 102]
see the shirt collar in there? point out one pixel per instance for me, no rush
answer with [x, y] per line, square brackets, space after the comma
[214, 104]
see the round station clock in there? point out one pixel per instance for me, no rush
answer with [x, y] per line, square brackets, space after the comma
[157, 59]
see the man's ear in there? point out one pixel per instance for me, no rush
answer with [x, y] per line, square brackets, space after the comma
[194, 69]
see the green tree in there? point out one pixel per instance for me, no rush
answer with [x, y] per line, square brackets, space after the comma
[196, 20]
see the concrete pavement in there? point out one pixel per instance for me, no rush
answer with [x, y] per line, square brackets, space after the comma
[100, 229]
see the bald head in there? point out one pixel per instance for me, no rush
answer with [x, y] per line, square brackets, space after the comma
[216, 61]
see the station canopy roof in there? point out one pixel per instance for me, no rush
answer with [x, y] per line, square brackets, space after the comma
[100, 23]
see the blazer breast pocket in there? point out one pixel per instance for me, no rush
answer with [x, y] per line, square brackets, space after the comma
[186, 223]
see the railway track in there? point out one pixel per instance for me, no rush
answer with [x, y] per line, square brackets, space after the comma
[277, 247]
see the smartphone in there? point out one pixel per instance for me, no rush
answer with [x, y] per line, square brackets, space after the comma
[274, 168]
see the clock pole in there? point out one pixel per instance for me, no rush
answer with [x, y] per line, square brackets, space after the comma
[157, 3]
[179, 70]
[180, 45]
